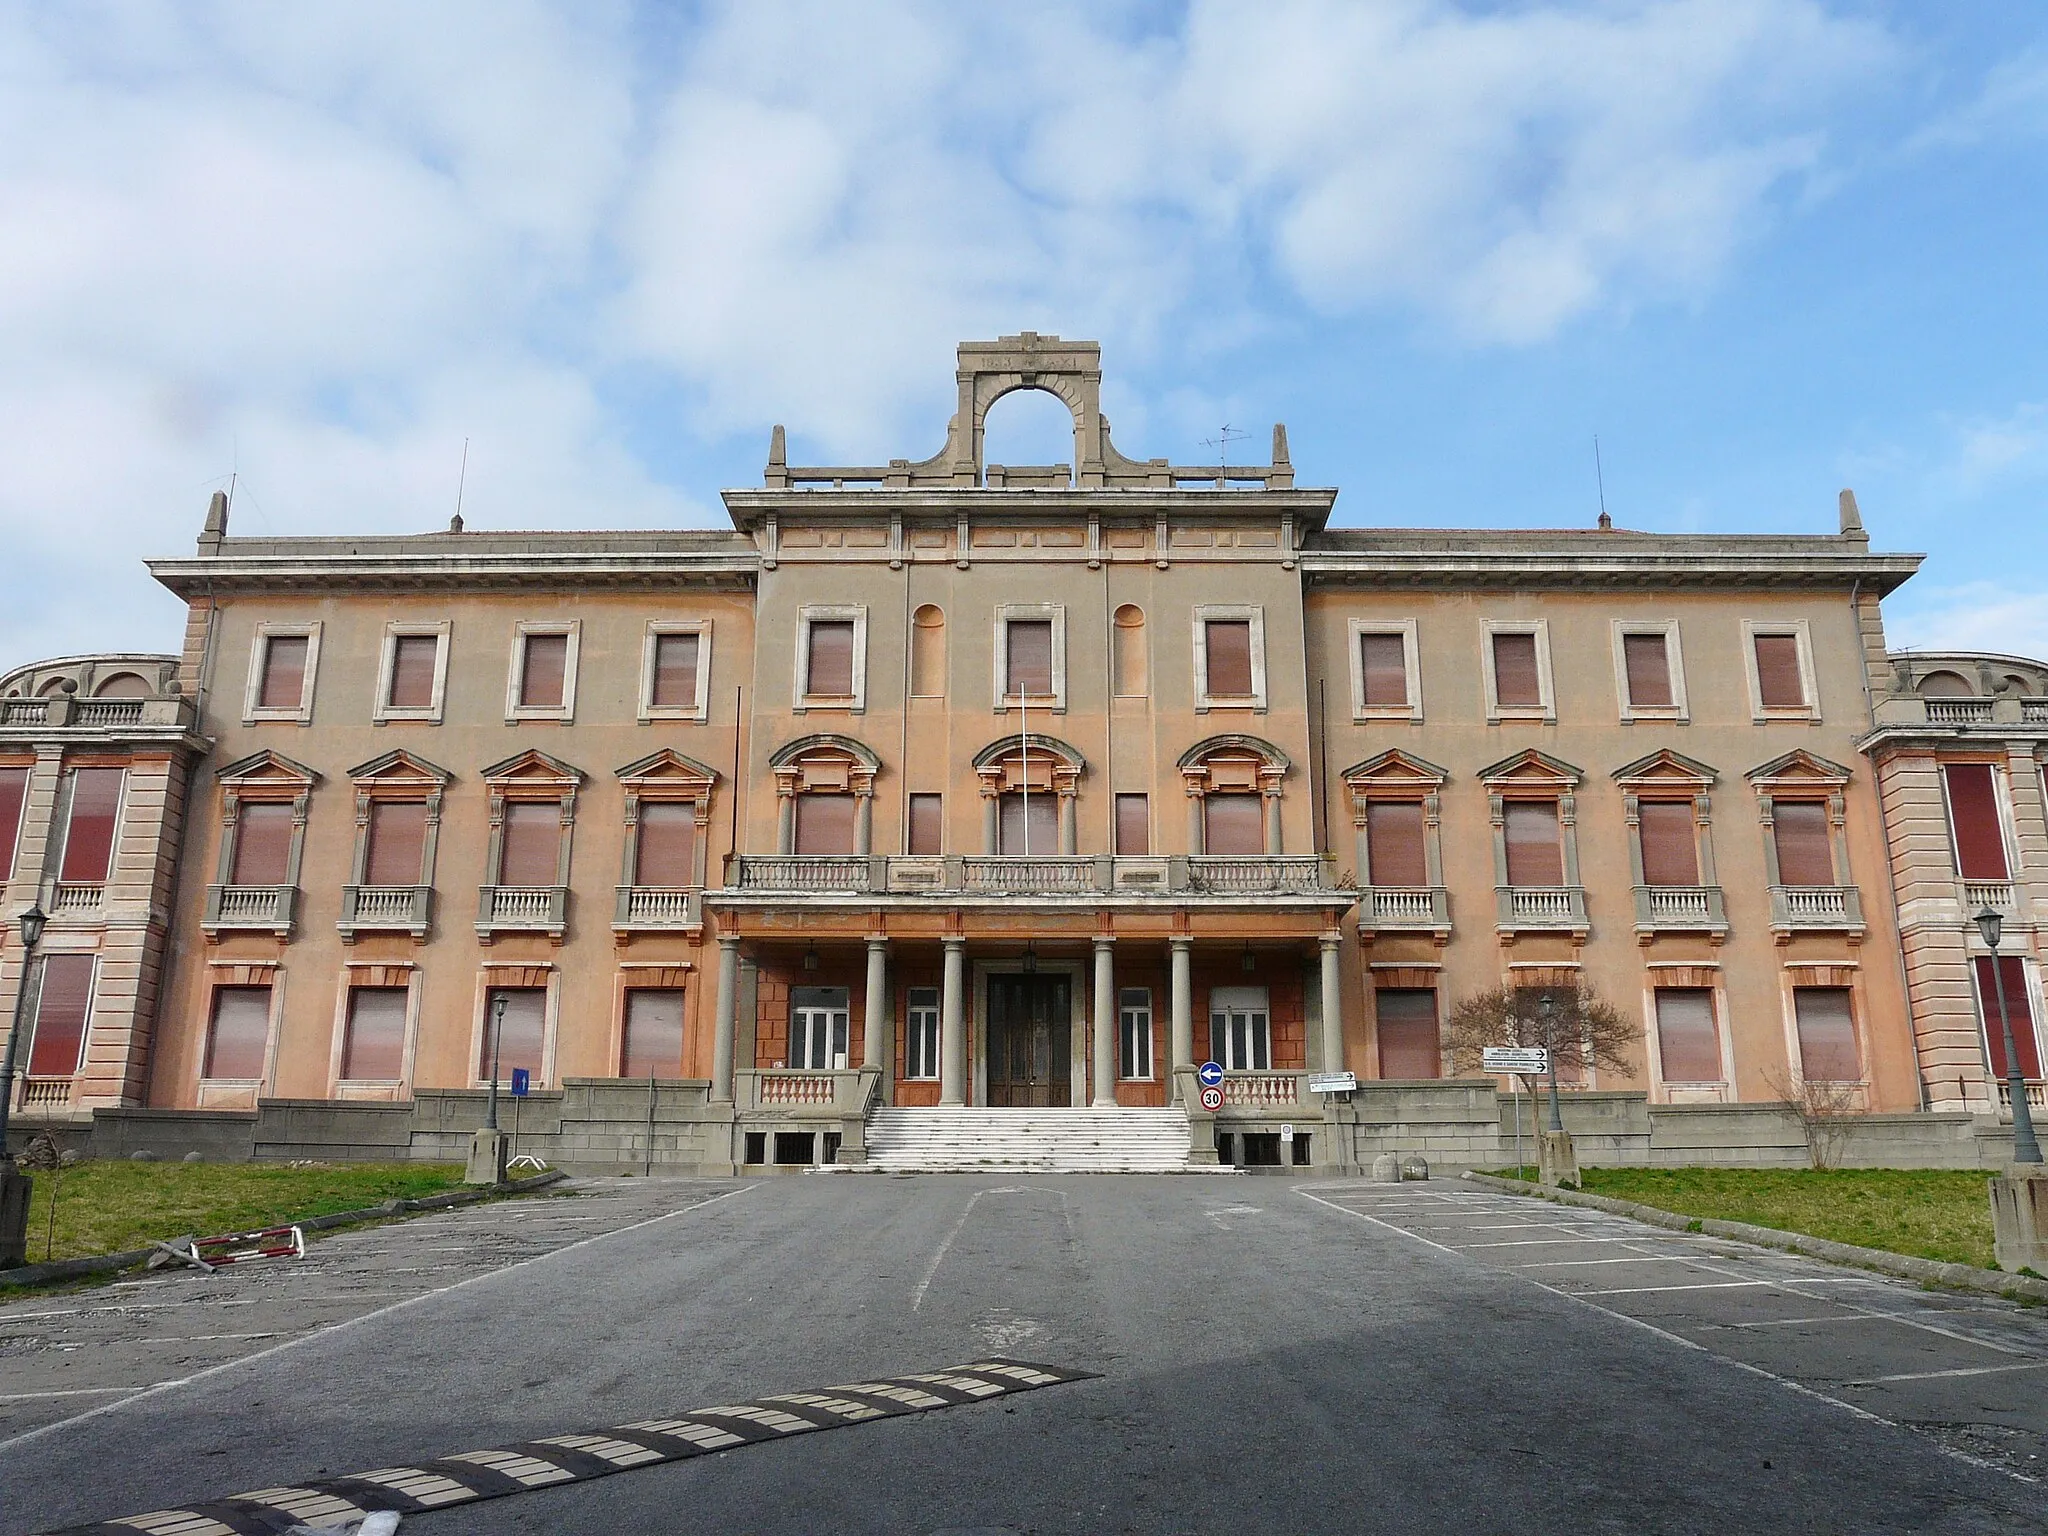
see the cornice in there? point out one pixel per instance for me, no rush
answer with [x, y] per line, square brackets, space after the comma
[1512, 558]
[749, 506]
[463, 562]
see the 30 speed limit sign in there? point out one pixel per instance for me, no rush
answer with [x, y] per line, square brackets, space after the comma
[1212, 1099]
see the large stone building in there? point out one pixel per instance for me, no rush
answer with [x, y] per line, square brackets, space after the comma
[946, 783]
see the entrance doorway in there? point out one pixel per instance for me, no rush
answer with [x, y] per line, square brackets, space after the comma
[1029, 1034]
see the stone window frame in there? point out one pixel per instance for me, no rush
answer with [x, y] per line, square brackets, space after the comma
[1667, 776]
[1693, 975]
[1255, 614]
[1398, 776]
[1269, 783]
[1355, 631]
[378, 973]
[801, 699]
[1799, 629]
[511, 975]
[10, 854]
[265, 778]
[228, 973]
[668, 778]
[1545, 710]
[1679, 710]
[382, 710]
[30, 983]
[515, 676]
[650, 976]
[1820, 781]
[2036, 998]
[656, 628]
[796, 764]
[997, 771]
[1843, 973]
[1556, 781]
[1005, 701]
[259, 650]
[530, 775]
[911, 1006]
[396, 775]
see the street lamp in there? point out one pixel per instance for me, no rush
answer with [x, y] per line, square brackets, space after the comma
[31, 934]
[1547, 1007]
[2025, 1148]
[497, 1040]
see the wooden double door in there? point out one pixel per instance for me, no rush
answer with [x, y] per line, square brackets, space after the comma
[1030, 1040]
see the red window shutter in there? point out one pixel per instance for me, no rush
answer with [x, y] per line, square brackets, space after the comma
[654, 1033]
[1030, 658]
[240, 1037]
[13, 795]
[1686, 1040]
[533, 843]
[1973, 812]
[413, 663]
[828, 670]
[1517, 684]
[1394, 842]
[1535, 854]
[1133, 824]
[1649, 671]
[542, 678]
[1671, 852]
[284, 672]
[1229, 647]
[1037, 814]
[373, 1051]
[1827, 1035]
[675, 671]
[2026, 1044]
[398, 843]
[90, 829]
[1383, 664]
[668, 844]
[1779, 682]
[1805, 853]
[1233, 824]
[263, 843]
[58, 1044]
[1409, 1044]
[927, 831]
[825, 824]
[521, 1040]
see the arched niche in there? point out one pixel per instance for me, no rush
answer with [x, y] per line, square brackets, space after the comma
[1945, 685]
[928, 652]
[1130, 667]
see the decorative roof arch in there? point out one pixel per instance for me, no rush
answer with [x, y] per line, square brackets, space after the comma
[1029, 762]
[1233, 763]
[1234, 744]
[1009, 746]
[824, 764]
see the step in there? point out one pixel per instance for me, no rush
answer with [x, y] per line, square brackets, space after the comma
[953, 1139]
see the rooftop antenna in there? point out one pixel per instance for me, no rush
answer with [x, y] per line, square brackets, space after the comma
[1600, 479]
[461, 480]
[1225, 436]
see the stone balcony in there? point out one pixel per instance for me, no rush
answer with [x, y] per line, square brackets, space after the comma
[522, 909]
[1680, 909]
[1042, 875]
[68, 712]
[1999, 895]
[658, 908]
[1816, 909]
[1540, 908]
[385, 909]
[1404, 909]
[258, 908]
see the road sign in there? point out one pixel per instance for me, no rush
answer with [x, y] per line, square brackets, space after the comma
[1533, 1059]
[1212, 1099]
[521, 1080]
[1286, 1132]
[1210, 1074]
[1333, 1082]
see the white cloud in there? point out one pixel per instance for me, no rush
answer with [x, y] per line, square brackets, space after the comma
[1980, 616]
[2001, 448]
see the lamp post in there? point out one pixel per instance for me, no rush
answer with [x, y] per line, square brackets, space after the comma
[2025, 1147]
[1547, 1007]
[497, 1040]
[31, 934]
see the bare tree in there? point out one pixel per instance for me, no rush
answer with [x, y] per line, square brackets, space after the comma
[1827, 1113]
[1583, 1031]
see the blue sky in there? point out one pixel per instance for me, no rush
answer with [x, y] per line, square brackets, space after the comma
[1764, 250]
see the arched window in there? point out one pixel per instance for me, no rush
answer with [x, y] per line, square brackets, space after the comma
[1946, 685]
[928, 652]
[826, 788]
[1233, 784]
[122, 685]
[1127, 652]
[1028, 795]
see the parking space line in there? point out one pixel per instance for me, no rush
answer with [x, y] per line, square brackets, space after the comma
[1545, 1242]
[1645, 1290]
[1967, 1370]
[1647, 1258]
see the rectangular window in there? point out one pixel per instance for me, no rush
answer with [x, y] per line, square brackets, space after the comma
[825, 824]
[531, 853]
[2026, 1044]
[373, 1044]
[1233, 824]
[1517, 680]
[63, 1008]
[1029, 824]
[1410, 1046]
[1974, 820]
[398, 843]
[654, 1033]
[1670, 840]
[1241, 1029]
[13, 797]
[263, 843]
[1134, 824]
[1535, 854]
[818, 1027]
[238, 1040]
[1383, 670]
[828, 668]
[667, 850]
[1806, 853]
[283, 686]
[926, 833]
[521, 1039]
[1827, 1035]
[1686, 1040]
[1134, 1034]
[921, 1035]
[1394, 845]
[1780, 678]
[90, 828]
[674, 683]
[415, 664]
[1028, 649]
[1228, 644]
[1649, 671]
[544, 672]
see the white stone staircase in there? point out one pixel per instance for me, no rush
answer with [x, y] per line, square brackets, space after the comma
[957, 1140]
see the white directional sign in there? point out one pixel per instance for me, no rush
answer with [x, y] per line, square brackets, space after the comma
[1531, 1059]
[1333, 1082]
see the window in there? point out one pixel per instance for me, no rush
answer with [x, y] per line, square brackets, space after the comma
[414, 673]
[1394, 846]
[282, 663]
[1127, 652]
[1030, 659]
[531, 852]
[831, 658]
[928, 652]
[1687, 1044]
[1670, 842]
[1827, 1035]
[1241, 1029]
[1535, 853]
[1780, 670]
[13, 797]
[522, 1036]
[263, 843]
[926, 832]
[1230, 657]
[1233, 824]
[1410, 1046]
[1386, 682]
[91, 825]
[1133, 824]
[63, 1009]
[1975, 825]
[373, 1040]
[398, 843]
[818, 1024]
[1518, 670]
[675, 672]
[1134, 1034]
[543, 683]
[1031, 656]
[665, 853]
[1806, 853]
[238, 1040]
[284, 672]
[828, 669]
[653, 1045]
[1650, 670]
[2012, 970]
[1029, 824]
[921, 1035]
[826, 824]
[1229, 646]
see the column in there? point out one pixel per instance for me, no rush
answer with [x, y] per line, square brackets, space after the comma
[953, 1025]
[1273, 824]
[1181, 991]
[728, 1008]
[1333, 1002]
[1105, 1023]
[785, 823]
[990, 823]
[877, 1036]
[864, 824]
[1069, 832]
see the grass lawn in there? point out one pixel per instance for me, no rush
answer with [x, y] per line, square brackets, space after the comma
[1929, 1213]
[111, 1207]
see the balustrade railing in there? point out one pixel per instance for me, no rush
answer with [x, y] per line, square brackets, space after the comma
[249, 906]
[1261, 1090]
[24, 711]
[407, 907]
[2037, 1096]
[1037, 874]
[1958, 711]
[45, 1093]
[77, 898]
[1540, 906]
[2034, 711]
[1979, 894]
[107, 712]
[821, 872]
[1404, 906]
[1033, 874]
[1232, 873]
[1680, 906]
[532, 907]
[659, 906]
[1816, 906]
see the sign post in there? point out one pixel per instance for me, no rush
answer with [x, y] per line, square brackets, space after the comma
[522, 1084]
[1515, 1061]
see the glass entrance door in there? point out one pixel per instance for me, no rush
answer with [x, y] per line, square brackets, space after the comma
[1030, 1032]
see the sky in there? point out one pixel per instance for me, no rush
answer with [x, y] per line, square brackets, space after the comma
[571, 262]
